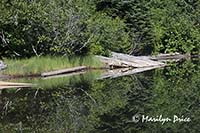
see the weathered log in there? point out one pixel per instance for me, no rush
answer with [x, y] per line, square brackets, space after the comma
[124, 72]
[115, 63]
[4, 85]
[136, 60]
[8, 87]
[168, 57]
[63, 71]
[65, 75]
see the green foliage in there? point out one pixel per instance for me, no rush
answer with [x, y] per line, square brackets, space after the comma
[175, 26]
[108, 34]
[158, 26]
[82, 27]
[135, 14]
[58, 27]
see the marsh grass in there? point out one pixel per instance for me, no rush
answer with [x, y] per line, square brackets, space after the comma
[37, 65]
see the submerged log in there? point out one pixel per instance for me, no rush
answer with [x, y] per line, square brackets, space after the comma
[64, 71]
[65, 75]
[125, 72]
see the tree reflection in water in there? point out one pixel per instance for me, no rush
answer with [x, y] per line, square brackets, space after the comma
[87, 105]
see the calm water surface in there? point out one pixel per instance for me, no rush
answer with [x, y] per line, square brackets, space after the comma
[161, 100]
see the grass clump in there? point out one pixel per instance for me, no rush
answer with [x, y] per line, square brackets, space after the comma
[37, 65]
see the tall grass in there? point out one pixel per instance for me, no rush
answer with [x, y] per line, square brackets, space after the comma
[37, 65]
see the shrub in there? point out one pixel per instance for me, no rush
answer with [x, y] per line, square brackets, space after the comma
[58, 27]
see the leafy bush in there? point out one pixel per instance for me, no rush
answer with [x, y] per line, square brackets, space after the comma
[81, 27]
[137, 18]
[58, 27]
[175, 26]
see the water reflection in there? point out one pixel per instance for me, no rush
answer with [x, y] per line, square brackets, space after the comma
[82, 104]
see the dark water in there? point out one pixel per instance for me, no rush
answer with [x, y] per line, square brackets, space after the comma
[162, 100]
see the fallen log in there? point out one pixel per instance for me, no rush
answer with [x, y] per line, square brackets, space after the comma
[169, 57]
[4, 85]
[64, 71]
[65, 75]
[115, 63]
[8, 87]
[125, 72]
[110, 73]
[136, 60]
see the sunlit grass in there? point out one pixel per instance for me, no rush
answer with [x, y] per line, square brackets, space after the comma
[37, 65]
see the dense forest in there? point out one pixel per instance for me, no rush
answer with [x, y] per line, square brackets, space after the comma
[81, 27]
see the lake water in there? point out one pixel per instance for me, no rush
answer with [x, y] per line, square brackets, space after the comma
[160, 100]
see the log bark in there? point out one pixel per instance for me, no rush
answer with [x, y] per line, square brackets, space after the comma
[137, 61]
[169, 57]
[64, 71]
[65, 75]
[4, 85]
[116, 63]
[8, 87]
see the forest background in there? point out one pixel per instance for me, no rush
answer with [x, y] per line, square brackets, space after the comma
[81, 27]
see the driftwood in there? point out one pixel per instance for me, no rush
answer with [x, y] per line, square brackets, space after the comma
[136, 60]
[114, 73]
[65, 75]
[4, 85]
[169, 57]
[124, 72]
[136, 64]
[64, 71]
[8, 87]
[119, 60]
[115, 63]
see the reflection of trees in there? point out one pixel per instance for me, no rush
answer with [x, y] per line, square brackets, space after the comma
[108, 105]
[79, 106]
[177, 93]
[124, 97]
